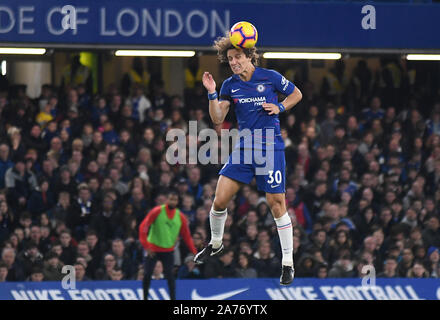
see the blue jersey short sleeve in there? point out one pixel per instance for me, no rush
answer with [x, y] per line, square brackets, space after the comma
[225, 92]
[280, 83]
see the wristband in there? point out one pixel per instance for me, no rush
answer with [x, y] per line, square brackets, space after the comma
[212, 96]
[282, 107]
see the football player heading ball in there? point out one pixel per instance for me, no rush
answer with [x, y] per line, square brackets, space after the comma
[253, 91]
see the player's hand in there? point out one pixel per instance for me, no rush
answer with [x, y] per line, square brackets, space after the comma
[208, 82]
[271, 108]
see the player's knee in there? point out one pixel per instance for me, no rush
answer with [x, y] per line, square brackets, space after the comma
[276, 210]
[276, 206]
[219, 204]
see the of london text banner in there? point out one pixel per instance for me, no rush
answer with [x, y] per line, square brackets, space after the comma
[196, 23]
[229, 289]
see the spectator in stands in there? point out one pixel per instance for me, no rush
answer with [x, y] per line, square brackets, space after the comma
[81, 211]
[19, 183]
[117, 274]
[17, 147]
[52, 267]
[406, 263]
[244, 268]
[122, 258]
[418, 270]
[99, 108]
[80, 272]
[265, 261]
[315, 199]
[6, 220]
[251, 236]
[3, 271]
[373, 112]
[139, 203]
[15, 269]
[199, 240]
[319, 240]
[390, 269]
[200, 220]
[321, 271]
[83, 253]
[36, 239]
[301, 210]
[189, 270]
[306, 266]
[221, 267]
[187, 203]
[95, 248]
[57, 248]
[419, 252]
[370, 245]
[120, 186]
[365, 220]
[68, 251]
[433, 262]
[41, 199]
[36, 275]
[105, 271]
[327, 127]
[5, 163]
[158, 271]
[65, 182]
[30, 258]
[194, 186]
[44, 116]
[343, 267]
[140, 103]
[341, 240]
[431, 235]
[105, 222]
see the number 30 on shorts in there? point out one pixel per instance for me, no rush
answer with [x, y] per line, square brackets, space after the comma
[277, 177]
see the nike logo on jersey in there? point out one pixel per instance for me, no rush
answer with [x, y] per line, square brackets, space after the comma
[232, 90]
[275, 186]
[221, 296]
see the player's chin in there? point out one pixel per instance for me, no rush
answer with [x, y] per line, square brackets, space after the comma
[237, 70]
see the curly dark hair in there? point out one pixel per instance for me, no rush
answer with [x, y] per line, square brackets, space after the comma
[223, 44]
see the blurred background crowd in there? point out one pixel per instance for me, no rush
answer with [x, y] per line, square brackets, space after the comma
[79, 172]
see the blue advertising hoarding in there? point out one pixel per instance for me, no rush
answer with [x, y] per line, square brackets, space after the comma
[198, 23]
[229, 289]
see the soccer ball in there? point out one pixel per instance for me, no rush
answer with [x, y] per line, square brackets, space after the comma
[243, 35]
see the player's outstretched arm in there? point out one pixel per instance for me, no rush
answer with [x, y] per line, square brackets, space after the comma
[217, 109]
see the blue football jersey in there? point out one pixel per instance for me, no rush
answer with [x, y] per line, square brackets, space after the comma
[247, 97]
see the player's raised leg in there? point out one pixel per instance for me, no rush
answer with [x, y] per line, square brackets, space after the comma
[225, 190]
[277, 204]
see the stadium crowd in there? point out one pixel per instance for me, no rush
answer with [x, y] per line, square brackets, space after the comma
[79, 172]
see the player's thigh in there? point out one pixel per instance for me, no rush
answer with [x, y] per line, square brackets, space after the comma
[226, 189]
[271, 175]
